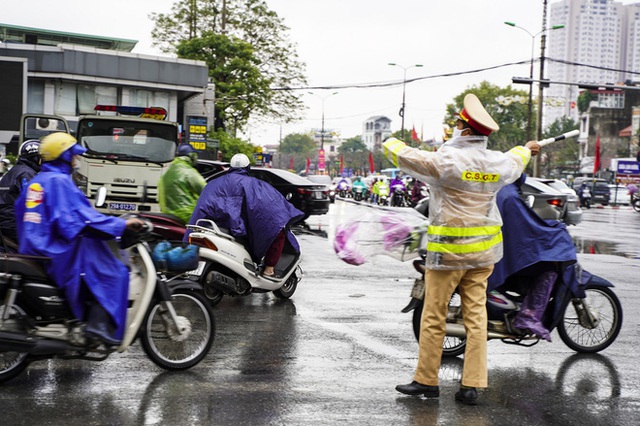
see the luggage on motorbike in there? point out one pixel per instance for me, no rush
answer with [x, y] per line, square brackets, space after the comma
[177, 257]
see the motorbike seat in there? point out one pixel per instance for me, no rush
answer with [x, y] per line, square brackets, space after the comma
[28, 266]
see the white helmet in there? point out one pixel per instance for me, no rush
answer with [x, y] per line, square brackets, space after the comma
[239, 161]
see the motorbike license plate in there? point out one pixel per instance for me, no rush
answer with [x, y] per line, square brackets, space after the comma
[198, 271]
[130, 207]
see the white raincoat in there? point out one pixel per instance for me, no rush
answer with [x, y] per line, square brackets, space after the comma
[464, 177]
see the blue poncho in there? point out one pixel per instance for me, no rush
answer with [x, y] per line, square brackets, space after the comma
[55, 219]
[249, 208]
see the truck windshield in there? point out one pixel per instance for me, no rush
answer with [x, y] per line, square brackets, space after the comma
[128, 141]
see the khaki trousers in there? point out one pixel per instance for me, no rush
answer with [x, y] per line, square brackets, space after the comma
[439, 286]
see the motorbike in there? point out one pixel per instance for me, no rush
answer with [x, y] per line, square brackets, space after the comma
[398, 198]
[383, 195]
[343, 189]
[585, 197]
[226, 267]
[635, 201]
[587, 322]
[170, 316]
[358, 193]
[581, 306]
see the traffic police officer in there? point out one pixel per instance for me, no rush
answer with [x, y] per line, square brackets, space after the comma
[464, 239]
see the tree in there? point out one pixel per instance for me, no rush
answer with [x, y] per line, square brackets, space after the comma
[353, 145]
[229, 145]
[297, 143]
[506, 107]
[252, 22]
[240, 87]
[561, 157]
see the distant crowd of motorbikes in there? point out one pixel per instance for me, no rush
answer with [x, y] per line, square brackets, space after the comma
[383, 191]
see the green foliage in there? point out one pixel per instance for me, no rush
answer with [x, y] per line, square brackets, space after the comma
[252, 22]
[298, 143]
[505, 106]
[353, 145]
[240, 87]
[559, 158]
[229, 145]
[584, 100]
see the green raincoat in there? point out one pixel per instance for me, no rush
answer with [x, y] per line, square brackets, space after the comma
[179, 189]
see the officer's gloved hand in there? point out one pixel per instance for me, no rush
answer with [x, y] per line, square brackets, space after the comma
[391, 147]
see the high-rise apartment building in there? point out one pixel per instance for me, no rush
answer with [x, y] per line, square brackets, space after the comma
[603, 36]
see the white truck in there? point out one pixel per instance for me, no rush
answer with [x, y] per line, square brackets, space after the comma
[126, 153]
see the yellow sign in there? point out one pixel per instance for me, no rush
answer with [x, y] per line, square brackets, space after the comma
[200, 146]
[480, 177]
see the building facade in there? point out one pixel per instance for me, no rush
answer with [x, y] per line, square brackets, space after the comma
[600, 44]
[375, 130]
[69, 74]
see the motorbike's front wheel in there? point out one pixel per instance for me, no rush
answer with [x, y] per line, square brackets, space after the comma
[181, 345]
[636, 204]
[451, 347]
[591, 324]
[13, 363]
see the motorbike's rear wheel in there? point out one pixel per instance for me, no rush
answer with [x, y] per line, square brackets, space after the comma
[165, 345]
[13, 363]
[636, 204]
[577, 334]
[289, 287]
[451, 347]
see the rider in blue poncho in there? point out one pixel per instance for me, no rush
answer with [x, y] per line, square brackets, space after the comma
[55, 219]
[250, 209]
[536, 252]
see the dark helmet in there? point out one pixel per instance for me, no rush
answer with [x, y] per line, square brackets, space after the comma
[30, 149]
[185, 149]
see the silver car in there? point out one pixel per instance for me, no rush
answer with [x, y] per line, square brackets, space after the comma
[551, 203]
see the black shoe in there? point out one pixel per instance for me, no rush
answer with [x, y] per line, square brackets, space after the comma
[102, 337]
[415, 388]
[99, 326]
[467, 396]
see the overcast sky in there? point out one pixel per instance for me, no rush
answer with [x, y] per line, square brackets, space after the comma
[350, 42]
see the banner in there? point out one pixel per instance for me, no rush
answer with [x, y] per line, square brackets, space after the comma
[372, 166]
[596, 162]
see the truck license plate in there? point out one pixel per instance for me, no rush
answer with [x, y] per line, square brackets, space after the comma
[198, 271]
[130, 207]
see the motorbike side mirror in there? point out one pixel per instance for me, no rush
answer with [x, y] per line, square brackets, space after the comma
[101, 196]
[530, 201]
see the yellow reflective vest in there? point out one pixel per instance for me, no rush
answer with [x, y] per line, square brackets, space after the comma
[464, 176]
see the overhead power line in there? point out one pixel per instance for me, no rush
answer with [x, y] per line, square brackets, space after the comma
[451, 74]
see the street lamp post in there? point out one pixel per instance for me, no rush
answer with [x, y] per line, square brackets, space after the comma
[323, 98]
[404, 83]
[530, 102]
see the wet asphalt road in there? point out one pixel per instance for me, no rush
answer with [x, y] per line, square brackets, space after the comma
[335, 351]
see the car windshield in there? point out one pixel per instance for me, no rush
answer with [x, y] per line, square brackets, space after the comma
[321, 179]
[126, 140]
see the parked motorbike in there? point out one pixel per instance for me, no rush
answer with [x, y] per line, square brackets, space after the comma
[226, 266]
[174, 323]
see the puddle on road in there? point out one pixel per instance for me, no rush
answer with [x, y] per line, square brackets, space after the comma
[588, 246]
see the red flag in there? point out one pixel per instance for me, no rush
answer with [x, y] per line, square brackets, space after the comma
[291, 163]
[372, 166]
[341, 164]
[414, 135]
[596, 162]
[306, 170]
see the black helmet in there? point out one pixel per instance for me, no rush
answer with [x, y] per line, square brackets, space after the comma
[30, 149]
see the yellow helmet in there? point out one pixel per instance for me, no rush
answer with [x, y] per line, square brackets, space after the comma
[54, 144]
